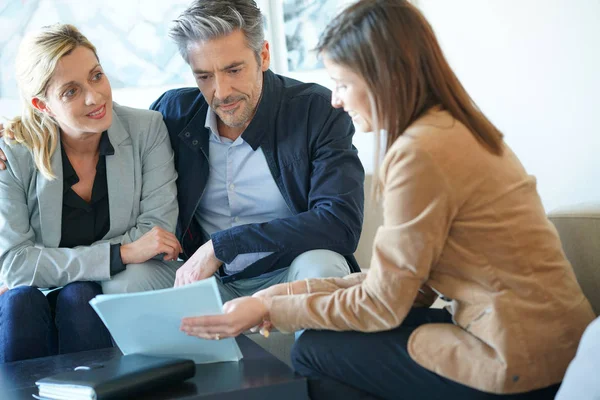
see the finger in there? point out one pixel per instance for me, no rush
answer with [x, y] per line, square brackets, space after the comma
[205, 336]
[172, 240]
[206, 320]
[263, 326]
[211, 333]
[191, 277]
[2, 156]
[171, 255]
[174, 244]
[170, 252]
[265, 332]
[222, 330]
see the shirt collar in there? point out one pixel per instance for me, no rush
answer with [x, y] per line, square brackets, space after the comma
[105, 147]
[211, 124]
[70, 177]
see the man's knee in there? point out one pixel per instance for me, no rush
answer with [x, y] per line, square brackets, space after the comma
[151, 275]
[318, 264]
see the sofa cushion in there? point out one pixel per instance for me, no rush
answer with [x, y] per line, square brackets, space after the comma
[579, 230]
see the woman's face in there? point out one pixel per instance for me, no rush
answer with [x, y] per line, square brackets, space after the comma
[78, 96]
[351, 93]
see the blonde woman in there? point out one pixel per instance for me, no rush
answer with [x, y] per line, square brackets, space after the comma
[461, 217]
[87, 199]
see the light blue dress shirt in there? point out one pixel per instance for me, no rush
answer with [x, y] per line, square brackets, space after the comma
[240, 190]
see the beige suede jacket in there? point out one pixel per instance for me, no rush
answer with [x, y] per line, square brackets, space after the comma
[471, 226]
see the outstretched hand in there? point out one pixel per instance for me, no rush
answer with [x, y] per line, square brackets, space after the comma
[239, 315]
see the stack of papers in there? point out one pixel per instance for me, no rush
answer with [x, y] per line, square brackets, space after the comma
[148, 322]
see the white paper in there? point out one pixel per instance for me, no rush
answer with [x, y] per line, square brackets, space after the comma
[148, 322]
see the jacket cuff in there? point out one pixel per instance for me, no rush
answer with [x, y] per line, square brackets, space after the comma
[224, 245]
[116, 263]
[286, 321]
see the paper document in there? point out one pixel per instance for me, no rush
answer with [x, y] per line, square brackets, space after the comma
[148, 322]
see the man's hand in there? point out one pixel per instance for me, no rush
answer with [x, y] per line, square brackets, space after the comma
[154, 242]
[203, 264]
[2, 156]
[3, 289]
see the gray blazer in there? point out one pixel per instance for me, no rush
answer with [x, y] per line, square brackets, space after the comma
[141, 193]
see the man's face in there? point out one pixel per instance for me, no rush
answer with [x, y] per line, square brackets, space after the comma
[229, 77]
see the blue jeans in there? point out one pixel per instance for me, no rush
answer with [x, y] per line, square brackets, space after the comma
[34, 325]
[356, 365]
[311, 264]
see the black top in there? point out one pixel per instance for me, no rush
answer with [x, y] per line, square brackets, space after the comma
[84, 223]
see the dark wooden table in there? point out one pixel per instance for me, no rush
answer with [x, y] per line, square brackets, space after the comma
[259, 375]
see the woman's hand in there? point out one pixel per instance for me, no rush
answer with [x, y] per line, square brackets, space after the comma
[154, 242]
[239, 315]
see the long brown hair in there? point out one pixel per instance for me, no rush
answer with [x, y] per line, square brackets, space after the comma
[390, 44]
[38, 56]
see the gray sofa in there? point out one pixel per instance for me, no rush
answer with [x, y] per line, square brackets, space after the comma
[579, 230]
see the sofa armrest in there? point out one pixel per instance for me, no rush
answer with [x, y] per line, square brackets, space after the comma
[579, 229]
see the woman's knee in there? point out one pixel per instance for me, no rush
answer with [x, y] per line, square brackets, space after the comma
[25, 325]
[24, 301]
[77, 294]
[307, 354]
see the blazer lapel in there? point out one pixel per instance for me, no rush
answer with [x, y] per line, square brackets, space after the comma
[120, 170]
[50, 198]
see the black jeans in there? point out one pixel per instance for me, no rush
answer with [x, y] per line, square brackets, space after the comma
[355, 365]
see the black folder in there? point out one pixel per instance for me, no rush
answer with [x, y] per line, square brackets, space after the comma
[123, 377]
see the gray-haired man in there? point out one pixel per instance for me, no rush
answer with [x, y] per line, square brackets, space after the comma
[270, 186]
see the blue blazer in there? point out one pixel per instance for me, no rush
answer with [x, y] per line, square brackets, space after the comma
[308, 147]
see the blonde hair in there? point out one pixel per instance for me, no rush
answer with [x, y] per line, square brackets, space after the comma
[38, 56]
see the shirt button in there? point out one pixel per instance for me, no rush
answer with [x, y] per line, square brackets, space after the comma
[237, 219]
[194, 142]
[231, 186]
[187, 134]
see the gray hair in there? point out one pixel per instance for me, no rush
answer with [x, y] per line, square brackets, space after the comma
[210, 19]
